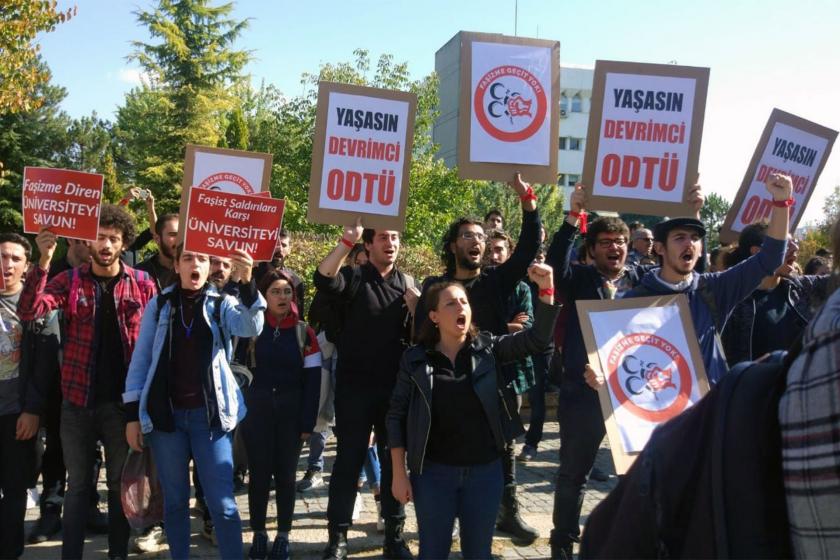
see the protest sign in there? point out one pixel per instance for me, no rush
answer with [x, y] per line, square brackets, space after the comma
[220, 169]
[789, 145]
[361, 156]
[648, 352]
[500, 100]
[62, 200]
[220, 222]
[643, 142]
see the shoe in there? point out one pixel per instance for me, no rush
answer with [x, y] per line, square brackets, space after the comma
[456, 529]
[259, 546]
[48, 525]
[208, 531]
[279, 549]
[559, 552]
[238, 482]
[380, 521]
[395, 547]
[598, 475]
[150, 540]
[33, 498]
[509, 520]
[357, 507]
[337, 546]
[527, 454]
[310, 481]
[97, 521]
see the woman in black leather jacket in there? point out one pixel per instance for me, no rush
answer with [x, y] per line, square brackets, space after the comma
[448, 417]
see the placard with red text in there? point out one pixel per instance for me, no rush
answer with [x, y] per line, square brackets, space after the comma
[361, 156]
[643, 143]
[789, 145]
[64, 201]
[220, 222]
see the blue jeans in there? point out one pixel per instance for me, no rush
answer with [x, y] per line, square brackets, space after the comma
[212, 451]
[317, 443]
[472, 494]
[370, 471]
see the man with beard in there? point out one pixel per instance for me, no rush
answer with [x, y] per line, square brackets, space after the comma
[102, 303]
[378, 300]
[278, 262]
[160, 266]
[489, 290]
[607, 276]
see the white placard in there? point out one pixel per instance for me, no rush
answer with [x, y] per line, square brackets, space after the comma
[228, 173]
[649, 373]
[510, 104]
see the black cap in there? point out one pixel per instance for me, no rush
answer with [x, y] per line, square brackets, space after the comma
[660, 230]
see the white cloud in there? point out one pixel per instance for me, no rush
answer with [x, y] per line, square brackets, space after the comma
[131, 76]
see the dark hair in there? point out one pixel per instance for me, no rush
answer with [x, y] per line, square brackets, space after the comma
[18, 239]
[499, 234]
[494, 212]
[112, 216]
[823, 252]
[814, 264]
[283, 232]
[270, 278]
[163, 220]
[357, 248]
[635, 225]
[451, 235]
[429, 335]
[368, 234]
[751, 236]
[606, 224]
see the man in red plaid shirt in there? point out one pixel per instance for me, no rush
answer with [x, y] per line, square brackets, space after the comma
[102, 303]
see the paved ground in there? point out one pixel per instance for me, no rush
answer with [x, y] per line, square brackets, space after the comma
[309, 529]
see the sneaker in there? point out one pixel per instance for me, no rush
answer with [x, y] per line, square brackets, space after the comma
[48, 525]
[259, 546]
[456, 529]
[310, 481]
[33, 498]
[150, 540]
[380, 521]
[357, 507]
[279, 549]
[208, 532]
[527, 454]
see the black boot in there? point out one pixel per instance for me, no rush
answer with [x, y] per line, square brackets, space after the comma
[337, 547]
[561, 549]
[509, 520]
[395, 547]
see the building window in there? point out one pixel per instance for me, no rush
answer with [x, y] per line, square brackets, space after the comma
[561, 179]
[563, 142]
[572, 180]
[564, 102]
[577, 104]
[574, 144]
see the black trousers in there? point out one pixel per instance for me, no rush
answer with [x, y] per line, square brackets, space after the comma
[17, 465]
[271, 432]
[357, 411]
[581, 432]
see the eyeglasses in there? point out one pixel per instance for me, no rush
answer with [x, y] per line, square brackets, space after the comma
[607, 243]
[473, 235]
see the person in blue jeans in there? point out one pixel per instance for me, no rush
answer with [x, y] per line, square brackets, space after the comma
[448, 420]
[182, 398]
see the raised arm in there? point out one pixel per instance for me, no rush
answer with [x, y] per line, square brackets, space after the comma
[243, 319]
[515, 268]
[559, 254]
[38, 297]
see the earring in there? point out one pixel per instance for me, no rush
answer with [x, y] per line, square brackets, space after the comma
[436, 325]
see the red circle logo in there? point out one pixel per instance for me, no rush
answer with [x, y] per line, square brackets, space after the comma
[510, 103]
[649, 377]
[217, 182]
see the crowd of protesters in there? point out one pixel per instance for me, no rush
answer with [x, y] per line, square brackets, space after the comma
[210, 361]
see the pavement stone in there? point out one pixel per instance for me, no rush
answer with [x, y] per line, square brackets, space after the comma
[309, 529]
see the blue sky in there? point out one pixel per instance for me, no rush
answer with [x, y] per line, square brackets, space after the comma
[762, 54]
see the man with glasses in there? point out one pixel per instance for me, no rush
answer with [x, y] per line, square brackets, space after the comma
[489, 290]
[607, 276]
[642, 251]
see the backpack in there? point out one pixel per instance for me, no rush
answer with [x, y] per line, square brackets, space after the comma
[708, 484]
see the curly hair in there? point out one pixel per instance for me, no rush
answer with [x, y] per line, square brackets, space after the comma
[606, 224]
[112, 216]
[451, 235]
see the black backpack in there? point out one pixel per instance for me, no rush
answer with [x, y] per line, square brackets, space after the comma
[708, 484]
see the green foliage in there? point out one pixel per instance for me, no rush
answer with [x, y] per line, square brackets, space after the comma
[236, 135]
[714, 211]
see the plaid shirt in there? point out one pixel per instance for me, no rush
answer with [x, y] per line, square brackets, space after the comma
[809, 417]
[76, 293]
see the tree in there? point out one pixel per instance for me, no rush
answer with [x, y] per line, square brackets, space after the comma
[190, 72]
[714, 211]
[831, 210]
[21, 71]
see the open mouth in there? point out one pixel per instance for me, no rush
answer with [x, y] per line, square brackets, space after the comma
[195, 276]
[461, 321]
[687, 257]
[105, 255]
[613, 258]
[475, 253]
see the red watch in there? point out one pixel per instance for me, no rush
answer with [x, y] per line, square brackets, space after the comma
[787, 203]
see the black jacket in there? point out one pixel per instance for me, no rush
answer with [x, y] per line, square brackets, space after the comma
[409, 417]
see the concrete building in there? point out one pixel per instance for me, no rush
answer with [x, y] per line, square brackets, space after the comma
[575, 99]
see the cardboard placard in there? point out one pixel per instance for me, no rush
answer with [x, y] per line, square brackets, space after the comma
[643, 141]
[64, 201]
[361, 156]
[221, 169]
[219, 222]
[509, 117]
[648, 352]
[790, 145]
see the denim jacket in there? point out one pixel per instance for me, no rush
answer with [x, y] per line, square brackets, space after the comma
[236, 319]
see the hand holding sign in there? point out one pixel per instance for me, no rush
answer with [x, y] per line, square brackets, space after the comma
[525, 192]
[242, 265]
[46, 242]
[595, 379]
[696, 198]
